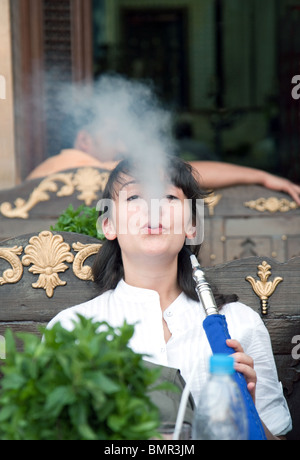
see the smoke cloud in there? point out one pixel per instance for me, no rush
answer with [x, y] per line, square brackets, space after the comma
[126, 115]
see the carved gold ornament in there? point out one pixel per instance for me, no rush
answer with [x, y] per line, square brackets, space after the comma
[212, 201]
[39, 194]
[84, 251]
[13, 274]
[264, 288]
[47, 252]
[271, 204]
[88, 181]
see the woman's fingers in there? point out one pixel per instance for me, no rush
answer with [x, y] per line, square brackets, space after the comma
[244, 364]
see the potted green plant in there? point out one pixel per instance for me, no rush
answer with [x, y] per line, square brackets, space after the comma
[84, 384]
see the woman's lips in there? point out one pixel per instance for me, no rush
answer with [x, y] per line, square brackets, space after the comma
[148, 230]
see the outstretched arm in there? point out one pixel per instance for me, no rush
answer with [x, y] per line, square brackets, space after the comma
[215, 174]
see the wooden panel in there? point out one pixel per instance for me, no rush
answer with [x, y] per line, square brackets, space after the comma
[212, 250]
[246, 246]
[22, 326]
[20, 302]
[289, 375]
[237, 228]
[263, 225]
[282, 332]
[293, 245]
[11, 228]
[233, 199]
[231, 277]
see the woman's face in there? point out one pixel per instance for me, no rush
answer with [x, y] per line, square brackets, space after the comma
[148, 226]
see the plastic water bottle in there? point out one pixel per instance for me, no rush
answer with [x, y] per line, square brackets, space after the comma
[221, 413]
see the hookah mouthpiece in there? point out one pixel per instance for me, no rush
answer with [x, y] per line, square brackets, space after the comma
[203, 289]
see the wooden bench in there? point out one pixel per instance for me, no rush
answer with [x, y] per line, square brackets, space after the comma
[43, 273]
[240, 221]
[250, 220]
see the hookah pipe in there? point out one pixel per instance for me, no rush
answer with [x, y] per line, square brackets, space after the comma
[215, 326]
[203, 289]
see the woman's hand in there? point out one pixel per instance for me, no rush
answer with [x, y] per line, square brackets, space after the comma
[245, 365]
[281, 184]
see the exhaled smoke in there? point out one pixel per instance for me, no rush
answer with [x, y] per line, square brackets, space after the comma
[128, 119]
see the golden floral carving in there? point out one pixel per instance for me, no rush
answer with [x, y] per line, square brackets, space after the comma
[271, 204]
[14, 274]
[47, 252]
[264, 288]
[84, 251]
[39, 194]
[212, 201]
[88, 181]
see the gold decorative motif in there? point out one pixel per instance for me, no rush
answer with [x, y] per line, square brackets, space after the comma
[88, 181]
[212, 201]
[47, 252]
[84, 251]
[264, 288]
[14, 274]
[39, 194]
[271, 204]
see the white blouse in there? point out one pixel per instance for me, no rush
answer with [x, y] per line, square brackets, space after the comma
[184, 318]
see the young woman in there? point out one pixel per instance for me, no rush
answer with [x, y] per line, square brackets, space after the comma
[144, 275]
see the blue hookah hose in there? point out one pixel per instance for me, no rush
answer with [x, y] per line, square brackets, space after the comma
[216, 329]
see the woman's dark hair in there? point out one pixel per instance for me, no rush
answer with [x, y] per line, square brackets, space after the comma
[108, 266]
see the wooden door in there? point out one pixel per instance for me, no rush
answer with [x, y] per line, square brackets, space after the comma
[52, 43]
